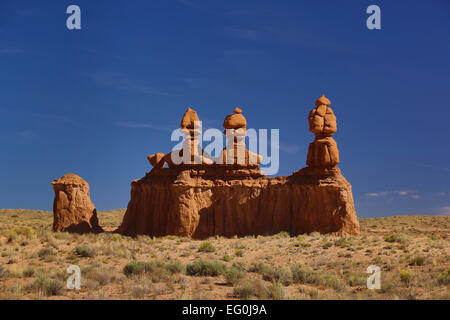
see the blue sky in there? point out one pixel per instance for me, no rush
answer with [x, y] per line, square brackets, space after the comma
[97, 101]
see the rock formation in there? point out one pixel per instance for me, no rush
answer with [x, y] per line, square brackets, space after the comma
[190, 127]
[235, 153]
[323, 152]
[203, 200]
[73, 210]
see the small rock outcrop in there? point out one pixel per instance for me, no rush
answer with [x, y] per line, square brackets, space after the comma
[73, 210]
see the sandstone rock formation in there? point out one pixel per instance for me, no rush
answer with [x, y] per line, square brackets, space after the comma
[190, 124]
[227, 199]
[236, 153]
[218, 200]
[323, 152]
[157, 160]
[73, 210]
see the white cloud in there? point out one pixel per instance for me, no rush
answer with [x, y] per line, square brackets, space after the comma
[412, 193]
[444, 211]
[120, 81]
[142, 126]
[291, 149]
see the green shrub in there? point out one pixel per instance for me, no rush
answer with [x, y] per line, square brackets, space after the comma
[356, 279]
[281, 275]
[400, 238]
[405, 277]
[417, 261]
[331, 282]
[234, 275]
[3, 272]
[301, 275]
[53, 287]
[386, 286]
[206, 246]
[28, 273]
[174, 267]
[134, 268]
[239, 252]
[85, 251]
[45, 252]
[205, 268]
[156, 269]
[444, 278]
[50, 287]
[283, 234]
[244, 291]
[276, 291]
[260, 267]
[226, 258]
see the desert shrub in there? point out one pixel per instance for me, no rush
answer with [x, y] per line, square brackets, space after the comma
[27, 232]
[417, 261]
[28, 272]
[239, 265]
[139, 291]
[305, 276]
[281, 275]
[444, 278]
[283, 234]
[331, 282]
[386, 286]
[206, 246]
[244, 291]
[45, 252]
[276, 291]
[63, 235]
[327, 244]
[175, 267]
[405, 277]
[400, 238]
[100, 276]
[356, 279]
[85, 251]
[205, 268]
[50, 287]
[301, 275]
[134, 268]
[234, 275]
[53, 287]
[156, 269]
[239, 252]
[260, 267]
[341, 242]
[226, 258]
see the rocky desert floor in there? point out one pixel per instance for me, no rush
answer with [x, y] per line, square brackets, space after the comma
[412, 252]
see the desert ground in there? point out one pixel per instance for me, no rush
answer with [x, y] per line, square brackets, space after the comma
[412, 252]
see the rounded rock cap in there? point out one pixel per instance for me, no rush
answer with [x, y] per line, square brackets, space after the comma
[189, 118]
[70, 178]
[235, 120]
[323, 101]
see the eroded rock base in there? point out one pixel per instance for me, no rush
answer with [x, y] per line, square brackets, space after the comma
[200, 201]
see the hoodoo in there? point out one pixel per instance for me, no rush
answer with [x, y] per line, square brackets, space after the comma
[73, 210]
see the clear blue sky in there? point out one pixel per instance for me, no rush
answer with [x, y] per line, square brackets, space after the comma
[99, 100]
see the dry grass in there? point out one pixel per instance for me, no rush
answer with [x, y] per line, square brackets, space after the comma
[412, 252]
